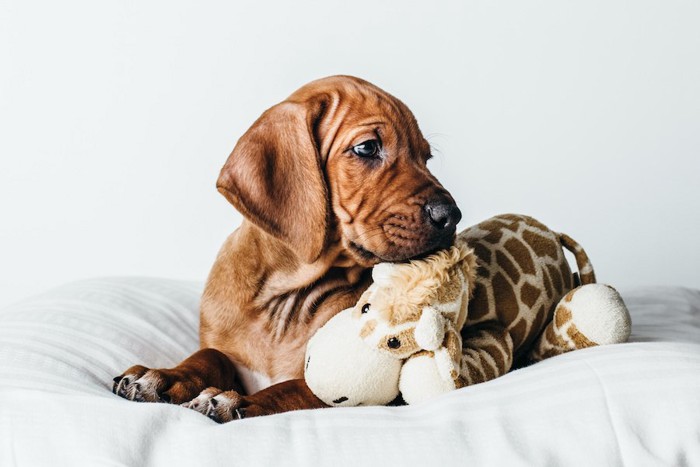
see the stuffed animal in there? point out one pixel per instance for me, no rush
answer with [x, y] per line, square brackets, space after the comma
[501, 297]
[357, 358]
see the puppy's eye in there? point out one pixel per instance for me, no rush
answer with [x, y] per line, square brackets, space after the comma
[369, 148]
[365, 308]
[393, 343]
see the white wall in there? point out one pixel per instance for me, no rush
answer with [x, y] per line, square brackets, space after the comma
[115, 118]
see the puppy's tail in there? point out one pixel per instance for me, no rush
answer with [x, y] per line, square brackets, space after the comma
[585, 268]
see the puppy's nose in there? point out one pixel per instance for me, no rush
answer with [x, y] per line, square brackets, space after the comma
[443, 214]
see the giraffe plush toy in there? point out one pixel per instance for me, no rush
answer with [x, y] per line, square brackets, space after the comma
[501, 297]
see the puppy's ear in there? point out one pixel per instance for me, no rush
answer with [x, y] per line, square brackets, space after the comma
[274, 177]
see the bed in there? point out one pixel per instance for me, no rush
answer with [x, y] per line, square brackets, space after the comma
[633, 404]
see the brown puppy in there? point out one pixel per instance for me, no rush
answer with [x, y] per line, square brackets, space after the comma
[330, 181]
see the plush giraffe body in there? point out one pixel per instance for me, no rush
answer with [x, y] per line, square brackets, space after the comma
[521, 278]
[502, 296]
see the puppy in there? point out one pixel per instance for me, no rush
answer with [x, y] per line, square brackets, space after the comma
[331, 181]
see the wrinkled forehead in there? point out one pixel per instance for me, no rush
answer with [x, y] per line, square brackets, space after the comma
[353, 106]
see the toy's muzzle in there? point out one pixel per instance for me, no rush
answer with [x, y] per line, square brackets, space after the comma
[342, 370]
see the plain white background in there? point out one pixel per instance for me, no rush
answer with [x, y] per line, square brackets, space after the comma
[115, 118]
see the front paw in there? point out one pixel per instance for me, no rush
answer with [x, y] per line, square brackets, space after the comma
[142, 384]
[220, 406]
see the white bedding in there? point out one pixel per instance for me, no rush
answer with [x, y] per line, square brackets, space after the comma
[634, 404]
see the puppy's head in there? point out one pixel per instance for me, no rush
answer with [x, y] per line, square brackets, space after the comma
[341, 160]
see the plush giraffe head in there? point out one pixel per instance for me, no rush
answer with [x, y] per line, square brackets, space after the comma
[356, 358]
[409, 305]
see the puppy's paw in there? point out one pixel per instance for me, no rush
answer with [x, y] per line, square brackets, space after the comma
[220, 406]
[201, 402]
[142, 384]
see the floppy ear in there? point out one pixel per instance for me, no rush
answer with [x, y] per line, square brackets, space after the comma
[430, 330]
[274, 177]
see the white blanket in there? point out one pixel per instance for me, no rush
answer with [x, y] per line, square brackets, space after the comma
[635, 404]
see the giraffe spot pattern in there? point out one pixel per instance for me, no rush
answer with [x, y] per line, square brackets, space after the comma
[579, 339]
[474, 371]
[562, 316]
[529, 294]
[522, 275]
[518, 332]
[568, 277]
[521, 255]
[453, 343]
[513, 226]
[494, 224]
[537, 225]
[479, 305]
[568, 297]
[548, 284]
[508, 306]
[486, 367]
[493, 237]
[542, 246]
[555, 275]
[482, 252]
[542, 317]
[508, 266]
[554, 343]
[498, 357]
[514, 221]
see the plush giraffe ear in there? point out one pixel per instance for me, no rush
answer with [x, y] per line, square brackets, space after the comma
[274, 177]
[430, 330]
[383, 274]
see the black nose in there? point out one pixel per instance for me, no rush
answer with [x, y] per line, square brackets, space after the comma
[443, 214]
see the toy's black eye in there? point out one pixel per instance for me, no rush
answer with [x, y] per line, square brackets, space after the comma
[365, 308]
[393, 343]
[369, 148]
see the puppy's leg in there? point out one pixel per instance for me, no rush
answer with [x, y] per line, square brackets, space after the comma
[224, 406]
[205, 368]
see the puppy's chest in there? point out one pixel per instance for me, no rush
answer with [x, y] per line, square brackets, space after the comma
[302, 311]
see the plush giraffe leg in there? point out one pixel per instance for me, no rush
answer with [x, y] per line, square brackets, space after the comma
[487, 353]
[587, 316]
[427, 374]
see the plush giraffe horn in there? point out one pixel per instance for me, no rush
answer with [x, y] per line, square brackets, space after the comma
[430, 330]
[382, 273]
